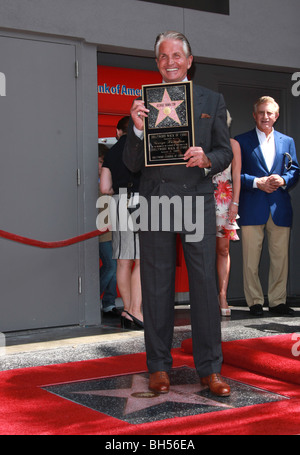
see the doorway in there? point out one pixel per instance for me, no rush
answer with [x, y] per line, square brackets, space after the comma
[38, 186]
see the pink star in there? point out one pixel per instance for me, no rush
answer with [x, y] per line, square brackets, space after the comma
[167, 108]
[139, 397]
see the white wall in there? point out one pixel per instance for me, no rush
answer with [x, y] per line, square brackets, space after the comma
[256, 32]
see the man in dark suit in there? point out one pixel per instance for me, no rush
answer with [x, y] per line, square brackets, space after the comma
[269, 169]
[210, 155]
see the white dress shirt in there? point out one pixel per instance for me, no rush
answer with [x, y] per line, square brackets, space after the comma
[267, 145]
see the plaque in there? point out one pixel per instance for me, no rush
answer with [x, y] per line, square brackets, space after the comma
[169, 127]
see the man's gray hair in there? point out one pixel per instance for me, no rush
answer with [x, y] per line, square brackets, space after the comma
[266, 99]
[171, 35]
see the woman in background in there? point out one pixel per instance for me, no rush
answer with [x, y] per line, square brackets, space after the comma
[227, 192]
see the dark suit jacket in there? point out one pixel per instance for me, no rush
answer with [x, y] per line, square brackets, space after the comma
[211, 133]
[256, 205]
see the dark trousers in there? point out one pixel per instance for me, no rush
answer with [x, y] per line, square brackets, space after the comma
[158, 266]
[107, 276]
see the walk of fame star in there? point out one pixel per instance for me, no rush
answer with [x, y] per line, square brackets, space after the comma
[127, 397]
[138, 399]
[167, 108]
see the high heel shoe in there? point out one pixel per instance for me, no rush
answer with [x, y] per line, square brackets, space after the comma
[137, 322]
[126, 323]
[225, 312]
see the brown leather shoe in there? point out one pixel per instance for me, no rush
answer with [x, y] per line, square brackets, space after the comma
[159, 382]
[216, 385]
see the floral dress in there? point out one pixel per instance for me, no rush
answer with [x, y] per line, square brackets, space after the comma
[223, 197]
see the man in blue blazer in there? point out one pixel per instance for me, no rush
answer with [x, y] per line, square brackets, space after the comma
[269, 169]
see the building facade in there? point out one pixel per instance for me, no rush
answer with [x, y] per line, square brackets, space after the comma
[50, 53]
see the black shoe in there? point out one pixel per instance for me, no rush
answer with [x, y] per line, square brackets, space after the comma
[113, 313]
[282, 309]
[126, 323]
[256, 310]
[139, 324]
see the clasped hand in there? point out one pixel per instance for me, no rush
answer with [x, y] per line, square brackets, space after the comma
[270, 184]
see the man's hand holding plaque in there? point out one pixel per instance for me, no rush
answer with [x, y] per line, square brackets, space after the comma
[138, 112]
[195, 156]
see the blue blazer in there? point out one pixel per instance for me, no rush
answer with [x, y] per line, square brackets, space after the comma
[256, 205]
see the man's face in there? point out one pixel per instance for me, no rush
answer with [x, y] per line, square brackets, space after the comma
[172, 62]
[265, 117]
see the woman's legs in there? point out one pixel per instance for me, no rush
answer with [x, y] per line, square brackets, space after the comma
[223, 269]
[129, 284]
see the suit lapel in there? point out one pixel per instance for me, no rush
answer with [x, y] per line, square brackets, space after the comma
[198, 105]
[198, 99]
[257, 149]
[278, 152]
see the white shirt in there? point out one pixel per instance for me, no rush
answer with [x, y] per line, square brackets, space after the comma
[267, 145]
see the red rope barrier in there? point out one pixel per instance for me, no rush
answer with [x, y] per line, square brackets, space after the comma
[59, 244]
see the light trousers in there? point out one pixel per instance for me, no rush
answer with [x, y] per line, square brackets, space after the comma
[278, 247]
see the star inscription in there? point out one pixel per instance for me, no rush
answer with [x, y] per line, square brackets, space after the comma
[138, 397]
[167, 108]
